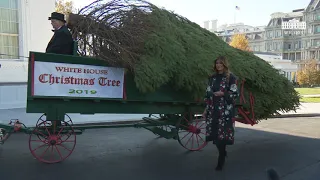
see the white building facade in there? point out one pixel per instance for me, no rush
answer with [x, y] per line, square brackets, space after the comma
[254, 34]
[24, 27]
[287, 67]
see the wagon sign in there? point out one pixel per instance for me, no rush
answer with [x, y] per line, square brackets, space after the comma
[76, 80]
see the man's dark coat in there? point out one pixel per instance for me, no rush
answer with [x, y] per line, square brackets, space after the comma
[61, 42]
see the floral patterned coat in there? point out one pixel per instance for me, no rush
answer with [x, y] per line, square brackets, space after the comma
[221, 109]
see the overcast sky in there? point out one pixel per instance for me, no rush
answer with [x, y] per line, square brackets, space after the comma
[252, 12]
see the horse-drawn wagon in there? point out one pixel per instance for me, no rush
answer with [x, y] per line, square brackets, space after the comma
[61, 84]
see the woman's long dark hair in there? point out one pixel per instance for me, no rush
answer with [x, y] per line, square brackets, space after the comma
[225, 63]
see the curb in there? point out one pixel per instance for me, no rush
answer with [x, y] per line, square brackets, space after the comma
[137, 121]
[296, 115]
[108, 123]
[311, 95]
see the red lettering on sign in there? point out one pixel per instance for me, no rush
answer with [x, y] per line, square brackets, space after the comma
[50, 79]
[103, 81]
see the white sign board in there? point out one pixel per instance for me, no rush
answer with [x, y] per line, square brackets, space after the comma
[77, 80]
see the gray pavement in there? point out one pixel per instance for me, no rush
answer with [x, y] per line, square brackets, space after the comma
[291, 146]
[306, 108]
[311, 95]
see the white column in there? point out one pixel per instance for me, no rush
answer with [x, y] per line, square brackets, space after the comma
[35, 26]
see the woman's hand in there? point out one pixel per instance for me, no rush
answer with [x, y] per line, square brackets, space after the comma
[218, 93]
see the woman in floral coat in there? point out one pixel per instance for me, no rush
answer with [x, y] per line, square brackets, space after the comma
[220, 109]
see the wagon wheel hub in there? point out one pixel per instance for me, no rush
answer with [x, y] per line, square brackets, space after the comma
[53, 140]
[194, 129]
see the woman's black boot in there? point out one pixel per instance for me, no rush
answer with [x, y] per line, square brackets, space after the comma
[221, 161]
[222, 156]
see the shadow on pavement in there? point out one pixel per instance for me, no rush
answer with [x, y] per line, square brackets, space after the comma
[136, 154]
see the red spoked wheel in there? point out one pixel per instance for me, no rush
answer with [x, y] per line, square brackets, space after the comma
[51, 143]
[43, 118]
[192, 132]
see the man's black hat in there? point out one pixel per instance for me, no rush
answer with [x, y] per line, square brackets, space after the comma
[57, 16]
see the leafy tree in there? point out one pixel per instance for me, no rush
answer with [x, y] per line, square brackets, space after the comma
[240, 41]
[301, 77]
[64, 7]
[309, 74]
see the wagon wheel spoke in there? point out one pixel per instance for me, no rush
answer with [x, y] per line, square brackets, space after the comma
[67, 135]
[48, 149]
[41, 131]
[200, 138]
[197, 140]
[185, 136]
[201, 127]
[43, 118]
[67, 119]
[45, 151]
[61, 157]
[38, 148]
[191, 137]
[192, 132]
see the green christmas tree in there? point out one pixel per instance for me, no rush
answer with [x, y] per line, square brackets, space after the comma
[160, 47]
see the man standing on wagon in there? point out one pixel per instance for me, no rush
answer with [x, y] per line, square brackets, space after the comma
[61, 42]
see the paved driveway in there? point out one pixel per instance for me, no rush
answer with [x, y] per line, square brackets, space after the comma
[289, 145]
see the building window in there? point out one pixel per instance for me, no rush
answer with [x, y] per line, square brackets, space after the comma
[9, 29]
[317, 29]
[309, 30]
[316, 42]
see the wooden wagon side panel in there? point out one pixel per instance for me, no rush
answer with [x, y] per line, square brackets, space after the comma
[165, 100]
